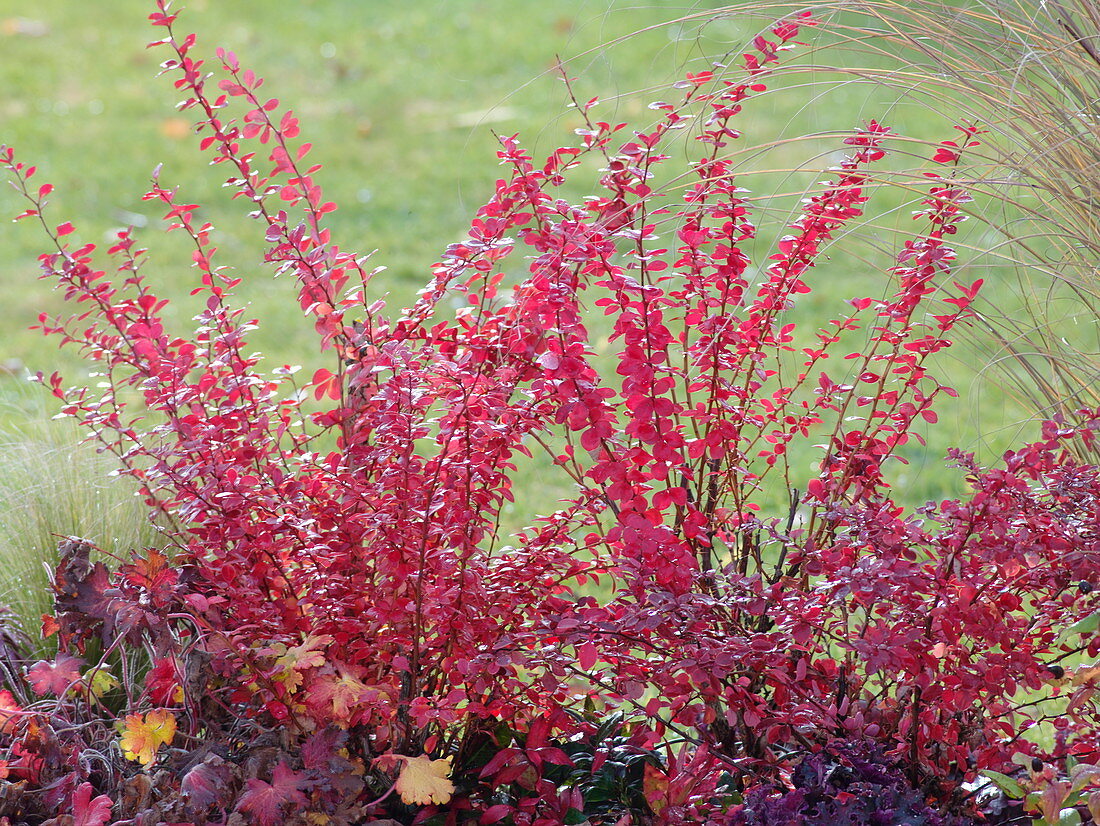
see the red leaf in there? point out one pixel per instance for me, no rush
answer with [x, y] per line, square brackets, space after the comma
[945, 155]
[56, 677]
[499, 761]
[264, 801]
[163, 682]
[89, 811]
[206, 782]
[495, 813]
[326, 383]
[536, 735]
[554, 755]
[587, 655]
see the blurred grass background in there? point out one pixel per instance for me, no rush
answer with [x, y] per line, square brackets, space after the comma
[401, 101]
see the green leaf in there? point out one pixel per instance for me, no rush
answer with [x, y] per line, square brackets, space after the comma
[1006, 784]
[1069, 817]
[1088, 625]
[574, 817]
[1082, 774]
[503, 735]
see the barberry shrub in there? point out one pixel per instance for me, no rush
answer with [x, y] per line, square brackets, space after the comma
[341, 631]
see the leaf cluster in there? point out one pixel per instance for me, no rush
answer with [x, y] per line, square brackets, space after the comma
[343, 633]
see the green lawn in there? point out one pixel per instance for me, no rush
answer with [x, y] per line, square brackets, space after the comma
[401, 101]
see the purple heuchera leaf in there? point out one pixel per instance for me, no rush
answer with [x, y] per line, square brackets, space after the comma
[205, 783]
[844, 784]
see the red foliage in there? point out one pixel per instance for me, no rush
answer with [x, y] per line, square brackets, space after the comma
[328, 607]
[56, 677]
[89, 811]
[266, 801]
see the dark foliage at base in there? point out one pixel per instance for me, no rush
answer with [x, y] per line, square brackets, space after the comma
[844, 784]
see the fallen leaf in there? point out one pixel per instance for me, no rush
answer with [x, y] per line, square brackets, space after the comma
[23, 27]
[175, 128]
[134, 794]
[205, 783]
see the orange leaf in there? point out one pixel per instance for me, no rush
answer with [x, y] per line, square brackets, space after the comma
[175, 128]
[344, 698]
[292, 663]
[143, 734]
[10, 712]
[1086, 674]
[655, 788]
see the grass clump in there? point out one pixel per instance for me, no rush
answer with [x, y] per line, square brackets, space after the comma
[53, 485]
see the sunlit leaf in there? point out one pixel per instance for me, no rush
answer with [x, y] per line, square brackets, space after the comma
[424, 781]
[1012, 789]
[143, 734]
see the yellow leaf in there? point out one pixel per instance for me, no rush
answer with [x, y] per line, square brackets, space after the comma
[425, 781]
[347, 693]
[143, 734]
[98, 682]
[291, 678]
[309, 653]
[293, 662]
